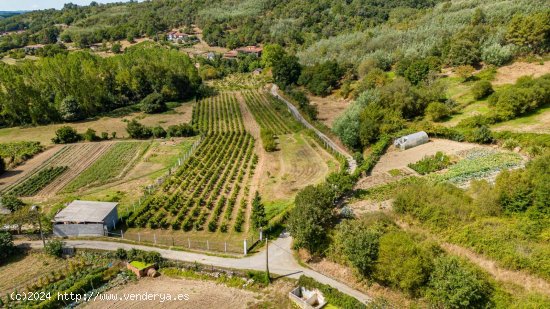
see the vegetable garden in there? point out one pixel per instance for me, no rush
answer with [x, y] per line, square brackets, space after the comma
[208, 191]
[38, 181]
[111, 165]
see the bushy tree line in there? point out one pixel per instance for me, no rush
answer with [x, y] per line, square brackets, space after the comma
[79, 85]
[140, 131]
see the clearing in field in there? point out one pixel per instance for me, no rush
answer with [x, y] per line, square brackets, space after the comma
[509, 74]
[330, 107]
[44, 134]
[536, 122]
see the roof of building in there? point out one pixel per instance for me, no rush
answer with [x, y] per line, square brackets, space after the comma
[250, 49]
[85, 211]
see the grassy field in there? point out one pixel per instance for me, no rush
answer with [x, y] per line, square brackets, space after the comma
[536, 122]
[44, 134]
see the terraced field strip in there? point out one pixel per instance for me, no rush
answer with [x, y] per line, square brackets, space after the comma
[78, 158]
[38, 181]
[112, 165]
[267, 113]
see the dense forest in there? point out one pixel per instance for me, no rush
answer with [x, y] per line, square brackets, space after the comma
[73, 86]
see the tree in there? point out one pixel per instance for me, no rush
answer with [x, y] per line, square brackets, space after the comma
[438, 111]
[181, 130]
[54, 248]
[153, 104]
[482, 89]
[137, 130]
[272, 54]
[360, 245]
[66, 135]
[464, 72]
[530, 31]
[258, 217]
[463, 51]
[6, 246]
[402, 263]
[286, 71]
[453, 285]
[69, 110]
[11, 202]
[311, 217]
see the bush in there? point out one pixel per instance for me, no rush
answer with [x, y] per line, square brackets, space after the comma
[268, 140]
[402, 263]
[66, 135]
[11, 202]
[360, 245]
[453, 285]
[54, 248]
[6, 245]
[2, 165]
[482, 89]
[158, 132]
[181, 130]
[153, 103]
[481, 135]
[431, 164]
[438, 111]
[90, 135]
[137, 130]
[497, 54]
[121, 254]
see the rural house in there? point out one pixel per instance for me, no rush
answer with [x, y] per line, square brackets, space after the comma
[176, 35]
[85, 218]
[250, 50]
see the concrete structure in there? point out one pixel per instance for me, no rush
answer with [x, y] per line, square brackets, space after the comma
[411, 140]
[307, 299]
[85, 218]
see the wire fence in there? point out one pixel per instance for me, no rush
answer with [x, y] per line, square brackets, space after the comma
[181, 241]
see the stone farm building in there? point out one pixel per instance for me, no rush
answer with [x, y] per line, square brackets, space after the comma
[85, 218]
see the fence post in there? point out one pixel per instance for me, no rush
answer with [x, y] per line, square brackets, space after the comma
[139, 237]
[155, 238]
[207, 245]
[261, 234]
[245, 247]
[225, 246]
[121, 234]
[189, 242]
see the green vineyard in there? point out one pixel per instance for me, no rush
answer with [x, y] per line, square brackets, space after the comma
[37, 182]
[270, 113]
[207, 192]
[218, 114]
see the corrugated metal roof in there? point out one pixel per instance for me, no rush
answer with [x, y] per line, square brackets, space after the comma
[85, 211]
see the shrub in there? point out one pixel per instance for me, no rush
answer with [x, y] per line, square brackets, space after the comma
[11, 202]
[454, 285]
[464, 72]
[66, 135]
[482, 89]
[121, 254]
[54, 248]
[153, 103]
[268, 140]
[438, 111]
[497, 54]
[481, 135]
[360, 245]
[431, 164]
[104, 136]
[402, 263]
[137, 130]
[158, 132]
[6, 245]
[181, 130]
[90, 135]
[2, 165]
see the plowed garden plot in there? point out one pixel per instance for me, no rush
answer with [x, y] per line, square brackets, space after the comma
[112, 165]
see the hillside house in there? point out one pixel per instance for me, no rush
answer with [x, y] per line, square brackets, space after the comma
[232, 54]
[250, 50]
[176, 35]
[85, 218]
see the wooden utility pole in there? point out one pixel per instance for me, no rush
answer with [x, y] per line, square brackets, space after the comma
[267, 259]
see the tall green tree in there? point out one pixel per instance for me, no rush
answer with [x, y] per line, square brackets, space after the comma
[258, 216]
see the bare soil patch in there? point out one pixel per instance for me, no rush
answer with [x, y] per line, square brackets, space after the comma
[509, 74]
[25, 269]
[201, 294]
[329, 107]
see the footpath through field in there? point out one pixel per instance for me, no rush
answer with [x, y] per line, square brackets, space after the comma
[330, 143]
[281, 260]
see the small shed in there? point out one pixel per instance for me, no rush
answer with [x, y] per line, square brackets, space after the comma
[85, 218]
[307, 299]
[411, 140]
